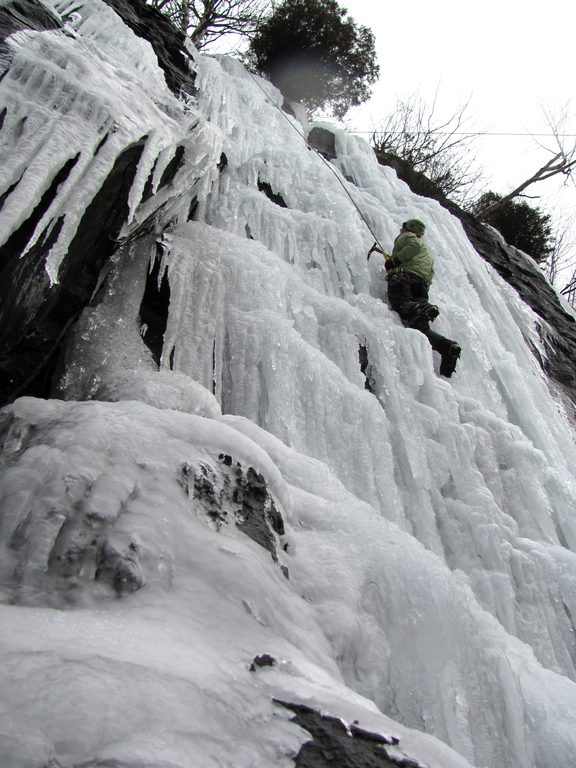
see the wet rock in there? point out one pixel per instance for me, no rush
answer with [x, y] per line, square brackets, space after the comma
[16, 15]
[35, 314]
[265, 660]
[263, 186]
[208, 490]
[365, 366]
[257, 516]
[237, 495]
[154, 310]
[18, 240]
[335, 743]
[323, 141]
[167, 42]
[168, 175]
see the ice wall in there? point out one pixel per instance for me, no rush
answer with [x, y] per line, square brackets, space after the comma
[430, 523]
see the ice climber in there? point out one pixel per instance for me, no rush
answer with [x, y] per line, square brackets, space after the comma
[410, 269]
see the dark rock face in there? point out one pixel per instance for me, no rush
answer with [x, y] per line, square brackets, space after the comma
[34, 315]
[333, 743]
[238, 495]
[23, 14]
[154, 311]
[257, 517]
[99, 228]
[17, 242]
[265, 660]
[168, 174]
[168, 44]
[263, 186]
[558, 328]
[323, 141]
[365, 366]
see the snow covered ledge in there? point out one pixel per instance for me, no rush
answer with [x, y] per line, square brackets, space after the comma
[140, 520]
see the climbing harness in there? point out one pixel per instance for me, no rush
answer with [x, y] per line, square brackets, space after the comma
[376, 245]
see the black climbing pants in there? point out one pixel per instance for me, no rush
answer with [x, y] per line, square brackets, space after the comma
[405, 293]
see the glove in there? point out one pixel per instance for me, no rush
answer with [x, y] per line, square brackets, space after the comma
[390, 264]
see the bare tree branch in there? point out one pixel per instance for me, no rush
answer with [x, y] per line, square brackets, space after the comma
[563, 161]
[438, 148]
[206, 21]
[564, 245]
[569, 291]
[557, 164]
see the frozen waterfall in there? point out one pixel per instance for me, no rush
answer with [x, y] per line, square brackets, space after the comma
[423, 582]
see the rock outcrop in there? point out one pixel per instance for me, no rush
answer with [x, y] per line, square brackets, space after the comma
[36, 313]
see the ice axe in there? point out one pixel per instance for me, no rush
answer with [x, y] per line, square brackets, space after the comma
[376, 247]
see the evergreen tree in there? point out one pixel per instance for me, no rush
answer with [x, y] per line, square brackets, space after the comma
[315, 55]
[520, 224]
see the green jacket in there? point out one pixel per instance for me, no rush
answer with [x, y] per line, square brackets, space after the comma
[411, 255]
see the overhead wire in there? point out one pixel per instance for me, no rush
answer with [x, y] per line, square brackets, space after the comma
[474, 133]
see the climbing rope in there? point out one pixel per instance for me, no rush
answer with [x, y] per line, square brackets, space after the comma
[330, 166]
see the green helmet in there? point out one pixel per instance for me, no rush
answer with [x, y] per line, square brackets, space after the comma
[416, 226]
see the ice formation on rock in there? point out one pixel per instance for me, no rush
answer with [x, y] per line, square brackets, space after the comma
[418, 573]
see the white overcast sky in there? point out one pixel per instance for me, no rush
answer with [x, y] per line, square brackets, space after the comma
[512, 59]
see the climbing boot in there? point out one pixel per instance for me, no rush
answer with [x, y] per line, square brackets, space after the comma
[424, 313]
[449, 359]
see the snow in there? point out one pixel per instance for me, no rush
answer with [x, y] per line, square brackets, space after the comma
[429, 524]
